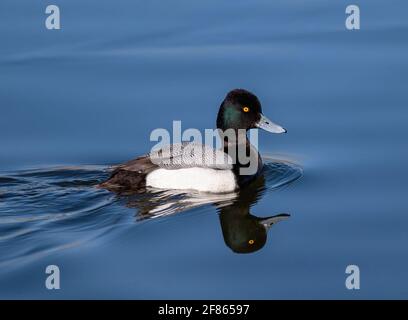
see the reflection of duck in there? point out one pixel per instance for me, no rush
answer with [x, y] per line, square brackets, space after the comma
[192, 166]
[242, 231]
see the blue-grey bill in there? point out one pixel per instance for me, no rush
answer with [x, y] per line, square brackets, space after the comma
[268, 125]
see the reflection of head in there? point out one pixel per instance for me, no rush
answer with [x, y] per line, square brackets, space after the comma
[242, 231]
[246, 233]
[242, 234]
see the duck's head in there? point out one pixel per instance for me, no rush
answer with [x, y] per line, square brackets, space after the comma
[241, 109]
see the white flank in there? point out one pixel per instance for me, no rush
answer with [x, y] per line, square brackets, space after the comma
[200, 179]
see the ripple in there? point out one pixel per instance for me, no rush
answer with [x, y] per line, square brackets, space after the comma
[43, 210]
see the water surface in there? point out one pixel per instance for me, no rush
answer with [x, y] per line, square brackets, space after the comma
[77, 100]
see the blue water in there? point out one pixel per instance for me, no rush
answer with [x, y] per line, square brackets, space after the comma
[76, 100]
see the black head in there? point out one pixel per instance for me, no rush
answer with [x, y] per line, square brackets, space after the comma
[241, 109]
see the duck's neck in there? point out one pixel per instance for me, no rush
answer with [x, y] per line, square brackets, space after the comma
[234, 138]
[244, 156]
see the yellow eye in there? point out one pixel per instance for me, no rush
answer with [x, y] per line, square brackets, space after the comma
[245, 109]
[251, 241]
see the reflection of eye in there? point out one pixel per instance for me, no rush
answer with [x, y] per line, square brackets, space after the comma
[245, 109]
[251, 241]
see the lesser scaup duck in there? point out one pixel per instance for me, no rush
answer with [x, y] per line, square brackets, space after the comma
[240, 109]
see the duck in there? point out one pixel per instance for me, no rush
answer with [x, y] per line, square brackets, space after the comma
[169, 168]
